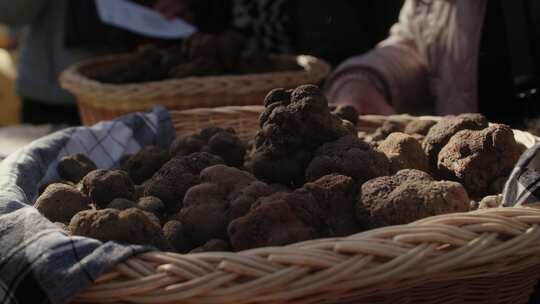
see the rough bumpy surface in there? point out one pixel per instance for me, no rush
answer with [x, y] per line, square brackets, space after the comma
[320, 209]
[145, 163]
[419, 126]
[293, 125]
[349, 156]
[153, 205]
[121, 204]
[179, 174]
[103, 186]
[74, 167]
[131, 226]
[60, 202]
[386, 129]
[404, 152]
[174, 234]
[439, 135]
[348, 113]
[208, 207]
[214, 245]
[408, 196]
[478, 158]
[221, 142]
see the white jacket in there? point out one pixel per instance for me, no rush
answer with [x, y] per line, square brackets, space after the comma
[429, 63]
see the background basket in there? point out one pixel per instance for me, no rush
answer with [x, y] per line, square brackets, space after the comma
[485, 256]
[99, 101]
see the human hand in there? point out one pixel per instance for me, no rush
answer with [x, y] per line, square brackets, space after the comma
[175, 8]
[364, 96]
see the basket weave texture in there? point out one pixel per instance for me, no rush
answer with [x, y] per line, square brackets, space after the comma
[485, 256]
[99, 101]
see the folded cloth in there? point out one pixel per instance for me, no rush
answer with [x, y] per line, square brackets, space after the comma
[39, 262]
[523, 186]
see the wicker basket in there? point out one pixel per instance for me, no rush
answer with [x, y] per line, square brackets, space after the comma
[486, 256]
[98, 101]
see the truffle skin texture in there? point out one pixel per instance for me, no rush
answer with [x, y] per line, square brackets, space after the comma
[476, 159]
[153, 205]
[214, 140]
[121, 204]
[208, 206]
[214, 245]
[172, 181]
[321, 209]
[404, 152]
[103, 186]
[386, 129]
[408, 196]
[60, 202]
[132, 226]
[74, 167]
[419, 126]
[174, 234]
[439, 135]
[291, 130]
[349, 156]
[145, 163]
[348, 113]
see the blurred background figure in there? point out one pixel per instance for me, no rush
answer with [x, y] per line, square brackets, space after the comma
[11, 104]
[449, 57]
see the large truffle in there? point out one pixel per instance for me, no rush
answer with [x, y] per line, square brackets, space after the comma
[404, 152]
[145, 163]
[103, 186]
[293, 125]
[478, 158]
[324, 208]
[408, 196]
[218, 141]
[131, 226]
[224, 193]
[349, 156]
[60, 202]
[74, 167]
[179, 174]
[439, 135]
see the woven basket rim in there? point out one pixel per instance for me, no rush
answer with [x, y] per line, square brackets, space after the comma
[456, 246]
[72, 80]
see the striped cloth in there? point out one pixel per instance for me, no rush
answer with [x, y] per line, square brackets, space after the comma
[523, 186]
[39, 262]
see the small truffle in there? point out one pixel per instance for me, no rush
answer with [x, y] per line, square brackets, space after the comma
[477, 159]
[174, 234]
[404, 152]
[172, 181]
[214, 245]
[74, 167]
[145, 163]
[103, 186]
[419, 126]
[62, 226]
[408, 196]
[348, 113]
[131, 226]
[121, 204]
[293, 125]
[217, 141]
[439, 135]
[492, 201]
[153, 205]
[388, 127]
[60, 202]
[349, 156]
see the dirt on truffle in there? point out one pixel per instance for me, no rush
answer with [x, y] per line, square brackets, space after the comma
[145, 163]
[131, 226]
[408, 196]
[60, 202]
[477, 159]
[103, 186]
[404, 152]
[293, 125]
[349, 156]
[74, 167]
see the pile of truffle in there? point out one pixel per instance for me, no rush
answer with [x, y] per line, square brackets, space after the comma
[307, 175]
[202, 54]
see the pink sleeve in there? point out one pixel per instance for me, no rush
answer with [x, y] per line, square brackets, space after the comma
[395, 62]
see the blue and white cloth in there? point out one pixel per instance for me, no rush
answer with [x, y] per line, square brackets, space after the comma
[40, 263]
